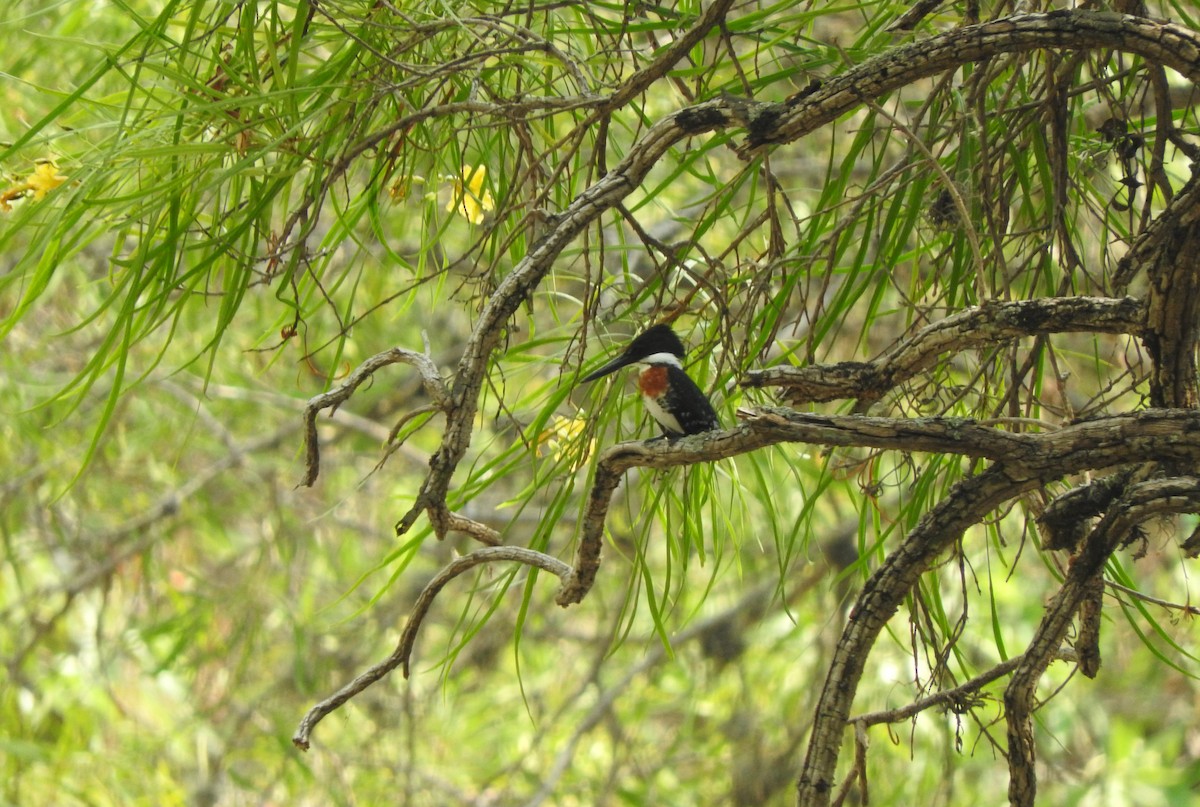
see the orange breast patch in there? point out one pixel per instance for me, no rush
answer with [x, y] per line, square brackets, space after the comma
[652, 381]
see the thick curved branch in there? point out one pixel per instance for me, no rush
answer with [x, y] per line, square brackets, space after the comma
[400, 656]
[1159, 42]
[1028, 459]
[968, 503]
[435, 388]
[988, 324]
[1140, 502]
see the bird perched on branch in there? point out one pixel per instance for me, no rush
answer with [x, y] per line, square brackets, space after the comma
[672, 398]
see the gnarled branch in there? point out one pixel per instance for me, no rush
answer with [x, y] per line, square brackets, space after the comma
[1139, 502]
[987, 324]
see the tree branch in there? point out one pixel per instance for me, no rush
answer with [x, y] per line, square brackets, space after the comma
[1150, 435]
[987, 324]
[952, 699]
[1140, 502]
[331, 400]
[523, 280]
[967, 503]
[1159, 42]
[400, 656]
[1168, 256]
[1024, 461]
[1182, 213]
[768, 124]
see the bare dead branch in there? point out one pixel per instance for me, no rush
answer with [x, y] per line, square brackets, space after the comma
[492, 554]
[1159, 42]
[1141, 501]
[331, 400]
[1028, 458]
[400, 656]
[987, 324]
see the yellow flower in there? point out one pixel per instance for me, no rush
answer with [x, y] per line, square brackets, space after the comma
[562, 432]
[44, 179]
[470, 198]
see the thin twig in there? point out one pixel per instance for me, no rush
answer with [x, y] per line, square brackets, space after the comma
[1190, 610]
[400, 656]
[331, 400]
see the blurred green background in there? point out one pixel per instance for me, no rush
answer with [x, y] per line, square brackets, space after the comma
[243, 202]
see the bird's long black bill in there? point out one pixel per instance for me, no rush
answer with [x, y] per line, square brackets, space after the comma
[611, 367]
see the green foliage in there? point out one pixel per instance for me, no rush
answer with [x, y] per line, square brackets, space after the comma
[258, 196]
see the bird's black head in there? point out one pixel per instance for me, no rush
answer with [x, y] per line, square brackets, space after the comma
[656, 339]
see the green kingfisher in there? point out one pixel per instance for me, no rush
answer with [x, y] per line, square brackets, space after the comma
[672, 398]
